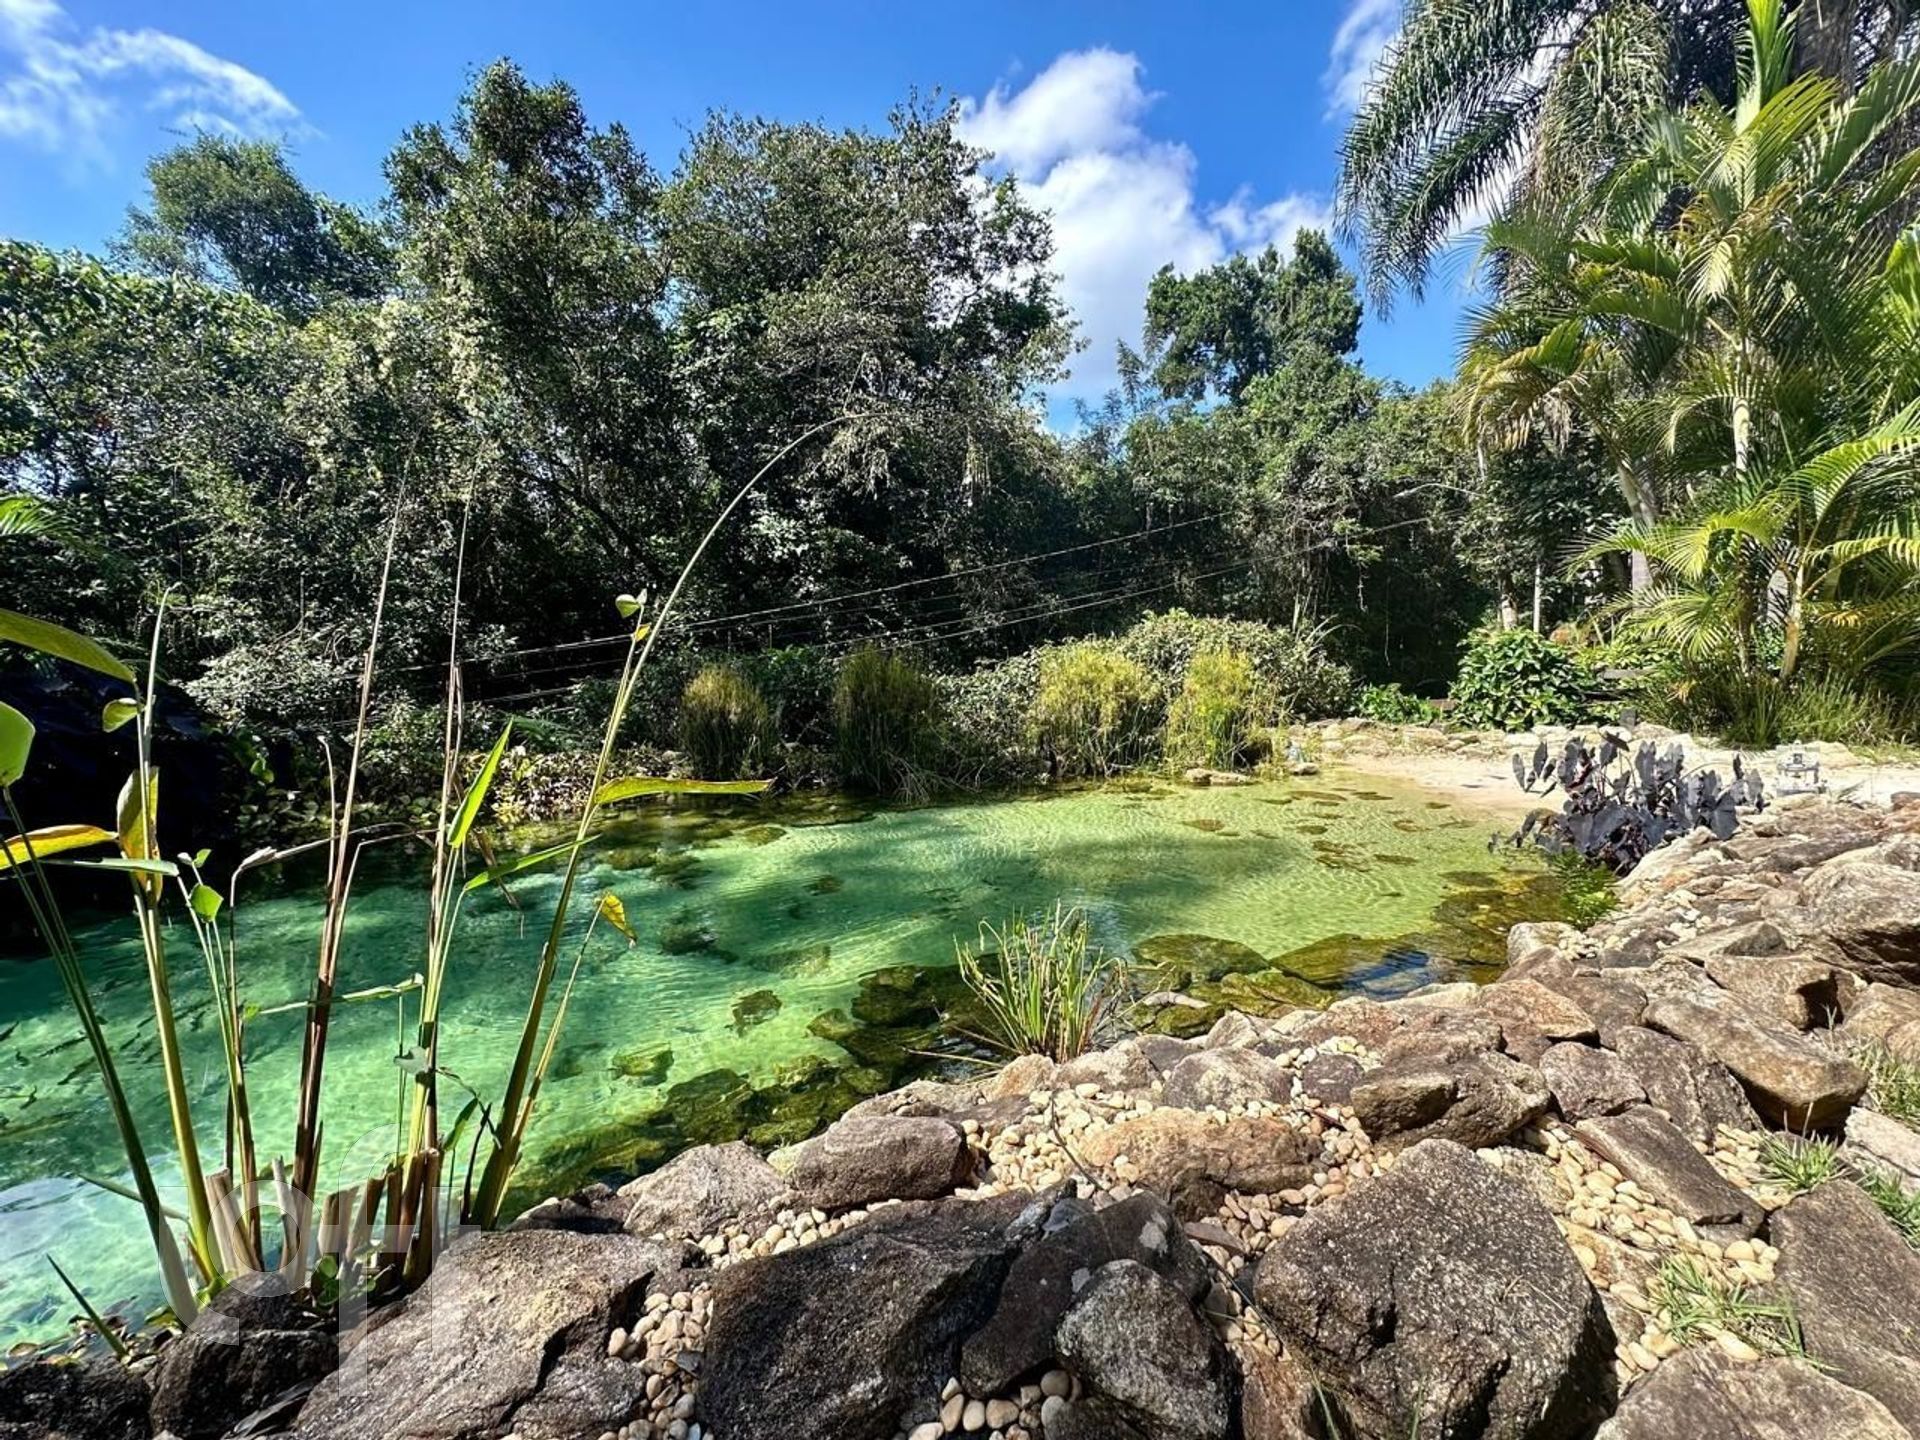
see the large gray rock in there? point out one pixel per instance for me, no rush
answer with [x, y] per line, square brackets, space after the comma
[1886, 1017]
[1531, 1016]
[701, 1190]
[1869, 914]
[1440, 1300]
[1148, 1360]
[1477, 1100]
[1796, 990]
[51, 1400]
[1880, 1143]
[1192, 1160]
[1797, 1083]
[510, 1330]
[1696, 1092]
[1653, 1154]
[841, 1337]
[1221, 1079]
[881, 1157]
[1702, 1395]
[254, 1344]
[1586, 1082]
[1613, 1003]
[1854, 1286]
[1044, 1279]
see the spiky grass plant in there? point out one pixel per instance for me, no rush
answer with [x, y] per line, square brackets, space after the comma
[1897, 1201]
[1696, 1302]
[1799, 1163]
[1043, 987]
[1893, 1084]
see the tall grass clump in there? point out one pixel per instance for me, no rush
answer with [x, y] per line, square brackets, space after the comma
[1042, 986]
[726, 725]
[1095, 710]
[1217, 717]
[886, 717]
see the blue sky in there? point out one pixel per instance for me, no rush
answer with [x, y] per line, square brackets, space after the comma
[1155, 133]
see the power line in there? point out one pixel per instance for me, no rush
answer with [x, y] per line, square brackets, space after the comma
[819, 602]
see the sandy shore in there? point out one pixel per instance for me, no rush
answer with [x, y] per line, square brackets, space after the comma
[1481, 775]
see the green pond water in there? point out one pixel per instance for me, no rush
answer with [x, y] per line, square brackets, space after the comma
[791, 958]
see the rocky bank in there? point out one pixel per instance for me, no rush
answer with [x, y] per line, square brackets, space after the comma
[1546, 1208]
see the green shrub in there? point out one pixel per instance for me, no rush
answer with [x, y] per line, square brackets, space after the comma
[1515, 679]
[726, 727]
[1391, 705]
[1751, 707]
[886, 715]
[1043, 987]
[1303, 681]
[1095, 708]
[1218, 714]
[987, 726]
[798, 681]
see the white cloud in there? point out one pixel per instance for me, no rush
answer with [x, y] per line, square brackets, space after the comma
[1365, 31]
[64, 90]
[1123, 202]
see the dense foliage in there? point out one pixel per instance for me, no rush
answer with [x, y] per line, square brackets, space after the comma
[1514, 680]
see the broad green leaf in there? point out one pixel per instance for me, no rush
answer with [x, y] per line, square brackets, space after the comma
[205, 901]
[477, 792]
[137, 815]
[147, 870]
[615, 914]
[637, 785]
[118, 713]
[57, 640]
[630, 605]
[16, 739]
[493, 874]
[51, 841]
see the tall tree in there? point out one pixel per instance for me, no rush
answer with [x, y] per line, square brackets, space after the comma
[233, 212]
[1221, 329]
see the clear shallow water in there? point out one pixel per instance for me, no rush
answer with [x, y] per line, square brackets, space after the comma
[751, 926]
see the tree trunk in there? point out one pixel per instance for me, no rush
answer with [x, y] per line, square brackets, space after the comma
[1823, 38]
[1645, 509]
[1539, 597]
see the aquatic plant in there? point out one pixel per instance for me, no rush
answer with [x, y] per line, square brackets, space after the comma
[1096, 709]
[726, 726]
[886, 713]
[1042, 986]
[1620, 804]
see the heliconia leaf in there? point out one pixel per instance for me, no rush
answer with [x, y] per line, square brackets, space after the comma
[58, 641]
[147, 872]
[615, 914]
[137, 815]
[16, 741]
[477, 792]
[51, 841]
[494, 874]
[637, 785]
[117, 713]
[205, 901]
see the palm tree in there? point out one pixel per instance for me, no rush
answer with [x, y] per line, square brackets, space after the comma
[1481, 104]
[1735, 314]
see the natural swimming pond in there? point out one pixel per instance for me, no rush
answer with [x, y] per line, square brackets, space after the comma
[791, 958]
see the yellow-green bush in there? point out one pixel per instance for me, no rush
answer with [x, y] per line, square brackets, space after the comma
[726, 727]
[1096, 709]
[1217, 717]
